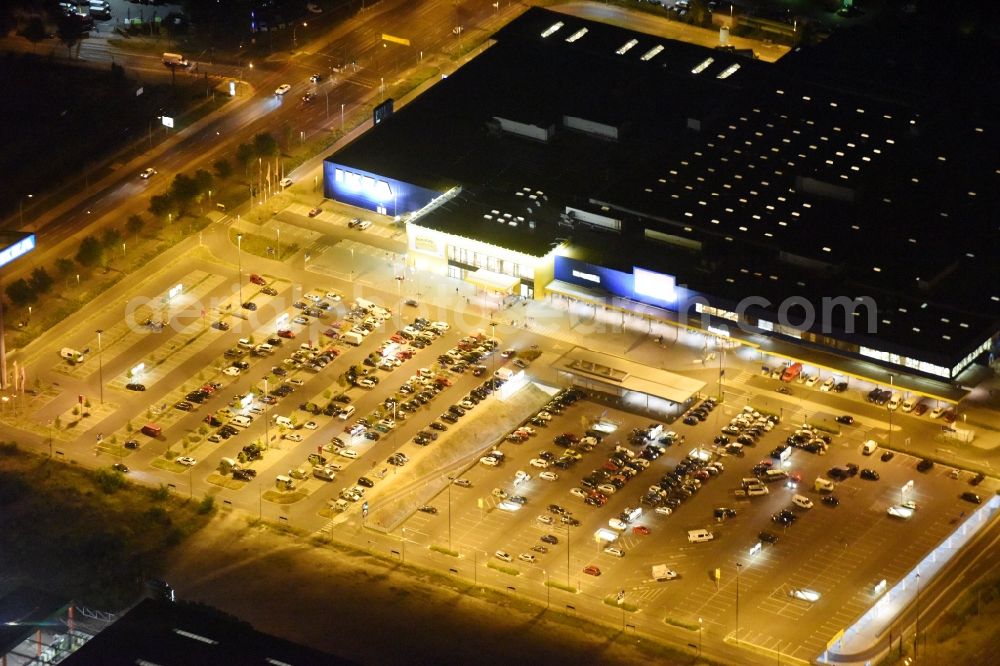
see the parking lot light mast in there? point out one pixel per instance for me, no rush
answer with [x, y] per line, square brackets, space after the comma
[738, 567]
[450, 484]
[100, 365]
[239, 263]
[548, 590]
[701, 626]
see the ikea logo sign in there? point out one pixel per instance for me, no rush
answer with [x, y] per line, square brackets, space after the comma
[357, 183]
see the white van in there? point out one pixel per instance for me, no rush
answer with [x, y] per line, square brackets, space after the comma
[227, 465]
[698, 536]
[283, 482]
[346, 412]
[325, 473]
[909, 404]
[352, 338]
[244, 343]
[242, 421]
[802, 501]
[894, 401]
[283, 421]
[869, 447]
[265, 348]
[823, 485]
[72, 355]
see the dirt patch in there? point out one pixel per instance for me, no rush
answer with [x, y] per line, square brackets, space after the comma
[377, 612]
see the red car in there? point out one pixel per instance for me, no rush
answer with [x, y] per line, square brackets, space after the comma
[641, 529]
[950, 416]
[256, 279]
[592, 570]
[286, 333]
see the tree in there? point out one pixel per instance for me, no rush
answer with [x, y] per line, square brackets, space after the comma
[68, 31]
[134, 225]
[203, 181]
[162, 205]
[41, 281]
[244, 153]
[223, 169]
[64, 267]
[35, 31]
[183, 189]
[90, 252]
[20, 293]
[265, 145]
[111, 237]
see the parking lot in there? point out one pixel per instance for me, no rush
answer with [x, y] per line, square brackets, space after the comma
[838, 552]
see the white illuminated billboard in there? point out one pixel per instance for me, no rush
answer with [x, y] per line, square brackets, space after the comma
[654, 285]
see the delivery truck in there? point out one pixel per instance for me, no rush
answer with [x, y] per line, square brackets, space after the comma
[175, 60]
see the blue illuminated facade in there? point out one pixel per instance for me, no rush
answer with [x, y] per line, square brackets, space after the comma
[656, 289]
[364, 189]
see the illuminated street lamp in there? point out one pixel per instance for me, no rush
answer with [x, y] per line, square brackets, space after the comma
[21, 208]
[738, 567]
[100, 365]
[239, 262]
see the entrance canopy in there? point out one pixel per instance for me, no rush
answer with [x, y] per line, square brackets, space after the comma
[623, 375]
[493, 281]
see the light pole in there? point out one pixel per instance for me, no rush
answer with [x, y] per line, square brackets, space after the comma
[100, 365]
[891, 387]
[548, 590]
[738, 567]
[341, 117]
[267, 434]
[352, 264]
[701, 626]
[239, 262]
[404, 547]
[450, 484]
[916, 623]
[21, 208]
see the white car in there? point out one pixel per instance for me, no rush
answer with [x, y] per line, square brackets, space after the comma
[664, 510]
[507, 505]
[292, 437]
[548, 476]
[366, 383]
[617, 552]
[363, 224]
[545, 416]
[504, 556]
[315, 298]
[828, 384]
[545, 519]
[804, 594]
[147, 173]
[539, 463]
[489, 461]
[812, 380]
[333, 296]
[578, 492]
[186, 460]
[607, 489]
[231, 371]
[440, 326]
[521, 477]
[282, 89]
[526, 557]
[310, 425]
[348, 453]
[618, 524]
[285, 182]
[903, 512]
[937, 412]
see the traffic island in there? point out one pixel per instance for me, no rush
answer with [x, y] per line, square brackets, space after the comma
[229, 482]
[510, 571]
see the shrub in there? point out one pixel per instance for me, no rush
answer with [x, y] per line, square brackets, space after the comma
[109, 481]
[207, 505]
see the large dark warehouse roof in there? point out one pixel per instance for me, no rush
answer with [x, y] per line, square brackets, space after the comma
[737, 176]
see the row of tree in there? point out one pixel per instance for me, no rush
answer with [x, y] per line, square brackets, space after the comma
[92, 252]
[185, 190]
